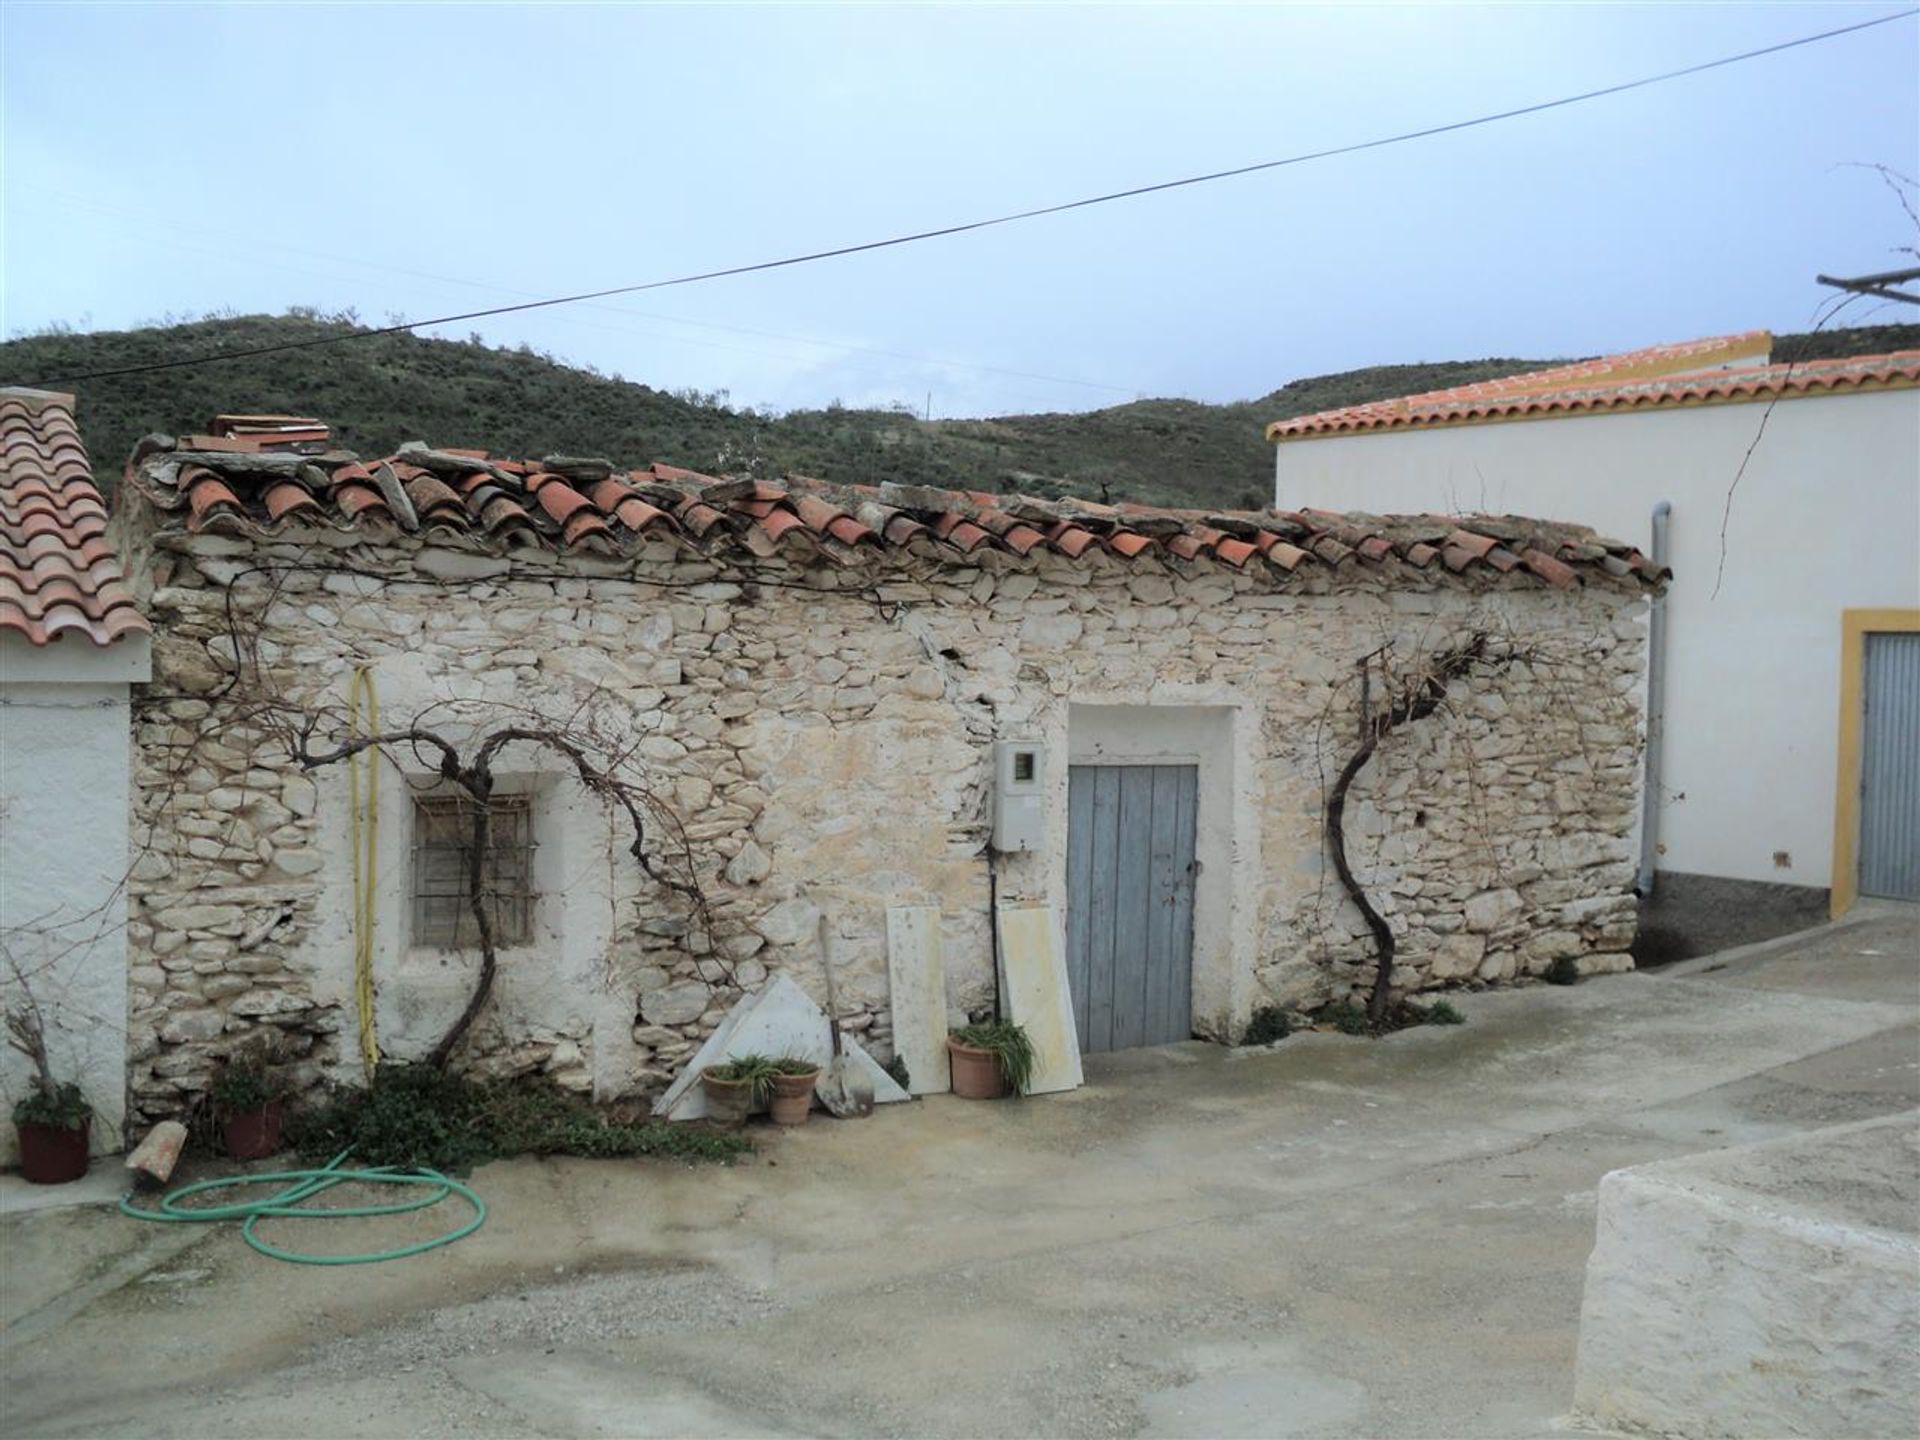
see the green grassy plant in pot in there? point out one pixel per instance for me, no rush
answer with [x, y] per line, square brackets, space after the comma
[53, 1123]
[247, 1099]
[734, 1088]
[990, 1060]
[791, 1100]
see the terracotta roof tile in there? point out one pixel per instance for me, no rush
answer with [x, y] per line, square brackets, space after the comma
[57, 572]
[577, 505]
[1660, 376]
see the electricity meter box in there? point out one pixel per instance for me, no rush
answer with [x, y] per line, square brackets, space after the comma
[1019, 795]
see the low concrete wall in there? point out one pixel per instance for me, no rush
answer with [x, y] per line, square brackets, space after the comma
[1765, 1290]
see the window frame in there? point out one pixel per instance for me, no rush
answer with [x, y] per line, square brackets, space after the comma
[511, 883]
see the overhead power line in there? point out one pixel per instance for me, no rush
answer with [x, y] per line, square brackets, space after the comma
[1010, 218]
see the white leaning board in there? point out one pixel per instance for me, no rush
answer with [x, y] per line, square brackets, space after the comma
[917, 990]
[777, 1020]
[1033, 970]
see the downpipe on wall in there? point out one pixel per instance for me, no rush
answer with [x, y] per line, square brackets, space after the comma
[1656, 710]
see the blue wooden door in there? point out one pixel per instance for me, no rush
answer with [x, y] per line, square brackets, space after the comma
[1130, 872]
[1890, 769]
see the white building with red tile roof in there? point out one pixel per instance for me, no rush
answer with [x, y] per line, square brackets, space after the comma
[1791, 495]
[72, 643]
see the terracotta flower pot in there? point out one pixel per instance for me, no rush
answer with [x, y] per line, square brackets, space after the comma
[52, 1155]
[976, 1072]
[792, 1099]
[252, 1134]
[728, 1101]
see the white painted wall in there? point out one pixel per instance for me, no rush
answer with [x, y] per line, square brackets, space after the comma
[557, 986]
[1826, 517]
[65, 752]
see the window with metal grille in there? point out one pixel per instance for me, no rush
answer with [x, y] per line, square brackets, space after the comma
[442, 836]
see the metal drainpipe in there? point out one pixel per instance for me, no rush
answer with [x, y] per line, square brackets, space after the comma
[1656, 710]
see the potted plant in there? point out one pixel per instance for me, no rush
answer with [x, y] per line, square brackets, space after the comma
[792, 1098]
[735, 1087]
[53, 1123]
[247, 1099]
[52, 1120]
[990, 1060]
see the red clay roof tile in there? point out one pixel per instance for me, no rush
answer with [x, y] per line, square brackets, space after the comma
[1658, 376]
[517, 502]
[57, 573]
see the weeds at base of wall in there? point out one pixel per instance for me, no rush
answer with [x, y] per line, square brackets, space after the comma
[1351, 1019]
[419, 1116]
[1269, 1023]
[1564, 971]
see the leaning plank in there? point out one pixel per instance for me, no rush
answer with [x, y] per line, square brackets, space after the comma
[917, 987]
[1034, 977]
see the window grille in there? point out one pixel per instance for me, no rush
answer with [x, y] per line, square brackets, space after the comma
[442, 832]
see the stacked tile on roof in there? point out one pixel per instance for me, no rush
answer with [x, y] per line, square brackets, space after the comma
[469, 499]
[58, 574]
[1690, 372]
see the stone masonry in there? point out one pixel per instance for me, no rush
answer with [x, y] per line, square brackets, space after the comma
[822, 731]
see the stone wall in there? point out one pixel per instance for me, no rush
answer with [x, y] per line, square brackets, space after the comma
[822, 733]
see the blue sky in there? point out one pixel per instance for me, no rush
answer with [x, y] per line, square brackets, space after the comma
[429, 158]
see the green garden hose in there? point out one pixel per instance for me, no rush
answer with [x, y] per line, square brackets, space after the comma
[304, 1185]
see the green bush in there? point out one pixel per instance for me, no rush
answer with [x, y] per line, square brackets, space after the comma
[63, 1107]
[1564, 971]
[1347, 1017]
[243, 1083]
[1269, 1023]
[1441, 1012]
[414, 1115]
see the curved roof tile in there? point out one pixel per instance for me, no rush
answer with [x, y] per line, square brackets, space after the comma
[1656, 377]
[467, 497]
[57, 573]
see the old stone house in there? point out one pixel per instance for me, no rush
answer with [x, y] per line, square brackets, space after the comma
[808, 682]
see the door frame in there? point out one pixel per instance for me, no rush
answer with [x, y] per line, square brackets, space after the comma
[1855, 626]
[1217, 729]
[1191, 844]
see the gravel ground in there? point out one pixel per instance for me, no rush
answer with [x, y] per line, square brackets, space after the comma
[1335, 1237]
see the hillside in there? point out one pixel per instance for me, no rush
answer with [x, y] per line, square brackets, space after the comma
[382, 390]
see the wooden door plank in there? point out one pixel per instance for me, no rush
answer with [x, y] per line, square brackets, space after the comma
[1081, 780]
[1103, 909]
[1160, 1023]
[1186, 873]
[1134, 906]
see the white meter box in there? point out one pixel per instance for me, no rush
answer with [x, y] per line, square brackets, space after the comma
[1019, 795]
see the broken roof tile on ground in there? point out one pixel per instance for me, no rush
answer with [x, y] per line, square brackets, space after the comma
[58, 574]
[466, 498]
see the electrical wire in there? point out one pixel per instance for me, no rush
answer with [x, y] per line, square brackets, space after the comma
[969, 226]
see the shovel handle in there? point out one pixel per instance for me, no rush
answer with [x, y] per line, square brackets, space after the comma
[833, 999]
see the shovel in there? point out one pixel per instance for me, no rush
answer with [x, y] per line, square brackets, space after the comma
[843, 1089]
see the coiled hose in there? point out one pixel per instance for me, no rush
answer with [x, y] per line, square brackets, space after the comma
[304, 1185]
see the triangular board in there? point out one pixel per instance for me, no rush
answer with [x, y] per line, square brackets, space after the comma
[778, 1020]
[1033, 970]
[917, 990]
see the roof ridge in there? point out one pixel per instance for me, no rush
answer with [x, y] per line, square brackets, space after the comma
[475, 501]
[1607, 390]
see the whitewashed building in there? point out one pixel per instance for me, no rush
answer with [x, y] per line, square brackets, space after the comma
[72, 646]
[809, 682]
[1785, 668]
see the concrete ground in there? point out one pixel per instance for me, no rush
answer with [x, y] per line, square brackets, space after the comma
[1333, 1237]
